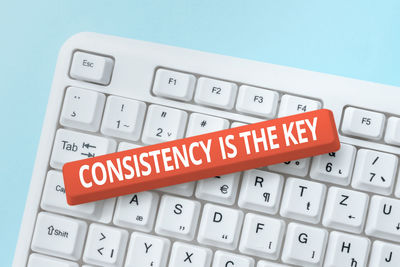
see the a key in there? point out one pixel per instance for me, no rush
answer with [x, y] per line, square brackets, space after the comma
[173, 84]
[384, 255]
[184, 189]
[303, 200]
[91, 68]
[163, 124]
[201, 124]
[374, 171]
[126, 146]
[70, 146]
[37, 260]
[345, 210]
[177, 217]
[262, 236]
[270, 264]
[291, 105]
[257, 101]
[147, 251]
[345, 250]
[295, 167]
[59, 236]
[185, 255]
[384, 218]
[392, 135]
[215, 93]
[136, 211]
[105, 245]
[334, 167]
[82, 109]
[221, 189]
[304, 245]
[363, 123]
[123, 118]
[261, 191]
[222, 258]
[220, 226]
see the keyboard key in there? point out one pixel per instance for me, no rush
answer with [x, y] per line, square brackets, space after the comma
[215, 93]
[59, 236]
[303, 200]
[185, 189]
[222, 258]
[295, 167]
[123, 118]
[335, 167]
[136, 211]
[173, 84]
[392, 135]
[147, 251]
[270, 264]
[291, 105]
[91, 68]
[384, 218]
[363, 123]
[304, 245]
[345, 210]
[237, 124]
[346, 250]
[185, 255]
[177, 217]
[384, 255]
[201, 124]
[374, 171]
[37, 260]
[105, 245]
[262, 236]
[257, 101]
[220, 226]
[261, 191]
[221, 189]
[126, 146]
[163, 124]
[70, 146]
[82, 109]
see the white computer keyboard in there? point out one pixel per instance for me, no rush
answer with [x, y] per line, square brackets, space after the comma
[110, 94]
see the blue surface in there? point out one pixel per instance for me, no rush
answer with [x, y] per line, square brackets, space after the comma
[358, 39]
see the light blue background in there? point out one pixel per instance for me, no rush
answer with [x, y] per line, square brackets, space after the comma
[353, 38]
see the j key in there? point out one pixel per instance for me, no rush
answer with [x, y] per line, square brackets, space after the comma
[257, 101]
[384, 255]
[215, 93]
[174, 84]
[201, 124]
[293, 105]
[37, 260]
[363, 123]
[346, 250]
[295, 167]
[222, 258]
[185, 255]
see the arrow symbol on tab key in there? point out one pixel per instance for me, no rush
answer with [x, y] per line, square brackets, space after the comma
[87, 145]
[89, 155]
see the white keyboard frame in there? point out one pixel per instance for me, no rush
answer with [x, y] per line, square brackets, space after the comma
[133, 75]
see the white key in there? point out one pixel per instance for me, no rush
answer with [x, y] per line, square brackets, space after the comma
[261, 191]
[270, 264]
[126, 146]
[37, 260]
[257, 101]
[291, 105]
[59, 236]
[220, 189]
[70, 146]
[303, 200]
[201, 124]
[220, 226]
[163, 124]
[335, 167]
[374, 171]
[185, 255]
[91, 68]
[82, 109]
[295, 167]
[147, 251]
[384, 218]
[237, 124]
[346, 250]
[105, 245]
[345, 210]
[222, 259]
[185, 189]
[392, 135]
[215, 93]
[397, 191]
[174, 84]
[384, 255]
[304, 245]
[123, 118]
[363, 123]
[136, 211]
[177, 217]
[262, 236]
